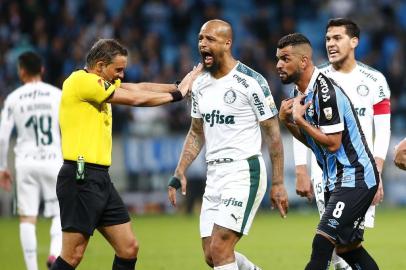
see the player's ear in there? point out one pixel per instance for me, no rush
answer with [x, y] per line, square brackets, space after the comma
[354, 42]
[228, 43]
[99, 66]
[304, 61]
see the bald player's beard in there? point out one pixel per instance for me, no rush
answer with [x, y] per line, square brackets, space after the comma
[214, 67]
[292, 78]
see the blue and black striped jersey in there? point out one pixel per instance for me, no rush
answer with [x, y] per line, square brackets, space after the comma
[331, 111]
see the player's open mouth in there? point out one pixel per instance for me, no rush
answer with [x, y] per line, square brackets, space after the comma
[282, 74]
[332, 52]
[207, 58]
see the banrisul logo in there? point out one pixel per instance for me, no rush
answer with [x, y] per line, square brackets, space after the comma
[259, 104]
[215, 117]
[231, 202]
[324, 89]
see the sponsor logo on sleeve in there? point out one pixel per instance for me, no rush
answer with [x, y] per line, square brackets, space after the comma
[258, 103]
[271, 104]
[381, 92]
[328, 113]
[324, 88]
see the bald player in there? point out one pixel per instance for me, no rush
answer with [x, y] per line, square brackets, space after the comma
[321, 116]
[231, 104]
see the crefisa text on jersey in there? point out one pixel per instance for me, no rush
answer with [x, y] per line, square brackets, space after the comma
[215, 117]
[241, 80]
[258, 104]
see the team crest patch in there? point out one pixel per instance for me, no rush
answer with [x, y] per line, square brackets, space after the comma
[230, 96]
[362, 90]
[328, 113]
[310, 110]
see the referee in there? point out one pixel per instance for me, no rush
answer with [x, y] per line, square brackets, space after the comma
[87, 197]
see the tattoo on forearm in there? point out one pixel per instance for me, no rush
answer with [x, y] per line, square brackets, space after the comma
[193, 144]
[275, 148]
[192, 147]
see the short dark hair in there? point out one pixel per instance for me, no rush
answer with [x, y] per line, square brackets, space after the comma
[104, 50]
[31, 62]
[293, 40]
[351, 28]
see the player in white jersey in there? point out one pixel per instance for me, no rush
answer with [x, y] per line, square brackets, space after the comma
[231, 103]
[33, 110]
[370, 95]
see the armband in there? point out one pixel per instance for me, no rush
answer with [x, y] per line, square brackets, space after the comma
[176, 95]
[174, 182]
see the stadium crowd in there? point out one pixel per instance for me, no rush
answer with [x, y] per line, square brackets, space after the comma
[162, 39]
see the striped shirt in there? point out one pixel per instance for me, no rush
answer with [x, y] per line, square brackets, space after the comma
[352, 165]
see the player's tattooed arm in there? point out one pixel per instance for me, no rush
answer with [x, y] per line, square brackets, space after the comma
[272, 136]
[193, 145]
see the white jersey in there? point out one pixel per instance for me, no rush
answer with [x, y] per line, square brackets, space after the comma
[231, 108]
[33, 110]
[365, 87]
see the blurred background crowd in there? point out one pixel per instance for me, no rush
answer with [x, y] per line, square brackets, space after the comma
[161, 36]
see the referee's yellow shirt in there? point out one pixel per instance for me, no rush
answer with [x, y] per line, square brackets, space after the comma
[85, 118]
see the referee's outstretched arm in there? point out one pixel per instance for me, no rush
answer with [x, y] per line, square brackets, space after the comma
[153, 94]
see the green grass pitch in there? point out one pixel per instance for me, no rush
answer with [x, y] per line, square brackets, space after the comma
[172, 242]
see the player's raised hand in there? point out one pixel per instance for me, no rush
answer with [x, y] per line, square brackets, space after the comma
[186, 84]
[285, 111]
[279, 199]
[299, 108]
[6, 182]
[176, 182]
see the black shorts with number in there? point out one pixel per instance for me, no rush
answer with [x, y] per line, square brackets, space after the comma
[89, 203]
[343, 219]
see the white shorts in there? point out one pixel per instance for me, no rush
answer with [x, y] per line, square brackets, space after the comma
[317, 181]
[233, 194]
[35, 181]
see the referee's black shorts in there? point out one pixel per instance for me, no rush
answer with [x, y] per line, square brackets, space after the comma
[343, 218]
[89, 203]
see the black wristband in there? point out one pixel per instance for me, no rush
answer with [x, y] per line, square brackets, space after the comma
[174, 182]
[176, 95]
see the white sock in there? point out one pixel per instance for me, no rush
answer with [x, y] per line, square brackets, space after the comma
[243, 263]
[29, 244]
[338, 262]
[56, 237]
[231, 266]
